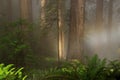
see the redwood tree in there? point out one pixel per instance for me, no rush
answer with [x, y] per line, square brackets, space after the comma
[110, 15]
[25, 14]
[26, 9]
[76, 30]
[42, 11]
[9, 6]
[61, 23]
[99, 14]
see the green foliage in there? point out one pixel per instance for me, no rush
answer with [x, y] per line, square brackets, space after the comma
[113, 70]
[13, 42]
[69, 71]
[10, 73]
[46, 74]
[75, 70]
[94, 69]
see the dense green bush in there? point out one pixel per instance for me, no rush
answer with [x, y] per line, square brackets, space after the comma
[94, 69]
[14, 44]
[8, 72]
[113, 70]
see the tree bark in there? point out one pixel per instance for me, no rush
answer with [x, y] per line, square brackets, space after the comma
[25, 14]
[9, 6]
[99, 14]
[110, 15]
[76, 30]
[26, 9]
[99, 28]
[109, 26]
[61, 22]
[42, 12]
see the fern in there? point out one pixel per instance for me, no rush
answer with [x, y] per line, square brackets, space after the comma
[95, 68]
[10, 73]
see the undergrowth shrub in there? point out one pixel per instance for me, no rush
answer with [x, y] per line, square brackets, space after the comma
[9, 72]
[14, 44]
[94, 69]
[113, 70]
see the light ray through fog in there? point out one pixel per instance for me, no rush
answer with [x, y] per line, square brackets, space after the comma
[98, 42]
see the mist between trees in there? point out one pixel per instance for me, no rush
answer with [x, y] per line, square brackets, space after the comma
[34, 32]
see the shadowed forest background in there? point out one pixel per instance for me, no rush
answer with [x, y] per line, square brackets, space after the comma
[41, 33]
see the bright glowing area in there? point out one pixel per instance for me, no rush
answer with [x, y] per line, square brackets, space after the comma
[60, 49]
[105, 44]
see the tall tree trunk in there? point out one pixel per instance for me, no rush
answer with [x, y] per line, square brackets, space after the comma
[76, 31]
[109, 26]
[42, 12]
[99, 26]
[9, 6]
[99, 14]
[30, 11]
[110, 15]
[26, 14]
[25, 7]
[61, 7]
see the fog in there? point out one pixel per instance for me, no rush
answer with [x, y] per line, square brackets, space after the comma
[102, 42]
